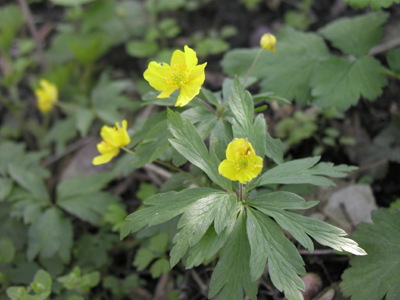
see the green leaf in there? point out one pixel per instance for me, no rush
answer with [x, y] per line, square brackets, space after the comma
[11, 19]
[305, 170]
[377, 274]
[338, 82]
[218, 208]
[207, 247]
[393, 59]
[163, 207]
[6, 186]
[231, 277]
[70, 2]
[295, 51]
[141, 49]
[42, 283]
[356, 35]
[375, 4]
[278, 205]
[7, 250]
[242, 107]
[155, 247]
[82, 185]
[30, 181]
[189, 144]
[84, 119]
[268, 243]
[160, 266]
[51, 234]
[79, 282]
[88, 207]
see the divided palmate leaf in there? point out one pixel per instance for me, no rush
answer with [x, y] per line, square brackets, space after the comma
[189, 144]
[377, 274]
[50, 235]
[305, 170]
[278, 205]
[356, 35]
[338, 82]
[242, 107]
[218, 208]
[295, 51]
[269, 244]
[163, 207]
[231, 277]
[375, 4]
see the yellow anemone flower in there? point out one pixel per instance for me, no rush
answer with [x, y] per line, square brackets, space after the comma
[241, 163]
[47, 95]
[268, 42]
[113, 139]
[183, 73]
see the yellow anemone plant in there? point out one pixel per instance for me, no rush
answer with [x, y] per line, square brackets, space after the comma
[113, 139]
[183, 73]
[47, 95]
[241, 163]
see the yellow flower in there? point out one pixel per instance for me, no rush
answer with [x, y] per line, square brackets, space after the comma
[268, 42]
[113, 139]
[183, 73]
[241, 163]
[47, 95]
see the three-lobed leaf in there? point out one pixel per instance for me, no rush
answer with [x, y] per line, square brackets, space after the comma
[377, 274]
[356, 35]
[339, 82]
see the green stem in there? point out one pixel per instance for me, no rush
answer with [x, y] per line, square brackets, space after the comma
[252, 65]
[391, 73]
[169, 166]
[241, 191]
[206, 105]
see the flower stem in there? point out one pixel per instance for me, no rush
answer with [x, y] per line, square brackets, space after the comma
[206, 105]
[169, 166]
[252, 66]
[241, 191]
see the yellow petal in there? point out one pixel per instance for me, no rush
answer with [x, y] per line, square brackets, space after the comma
[166, 93]
[116, 136]
[197, 74]
[155, 75]
[227, 169]
[268, 42]
[190, 57]
[178, 58]
[238, 148]
[102, 159]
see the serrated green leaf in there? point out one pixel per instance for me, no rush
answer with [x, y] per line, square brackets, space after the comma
[305, 170]
[5, 187]
[393, 59]
[51, 234]
[375, 4]
[377, 274]
[88, 207]
[189, 144]
[42, 283]
[160, 266]
[278, 205]
[163, 207]
[218, 208]
[84, 119]
[339, 83]
[79, 282]
[242, 107]
[82, 185]
[30, 181]
[207, 247]
[231, 277]
[268, 243]
[7, 250]
[143, 258]
[295, 51]
[356, 35]
[11, 19]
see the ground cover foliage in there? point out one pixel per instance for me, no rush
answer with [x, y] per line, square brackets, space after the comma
[178, 205]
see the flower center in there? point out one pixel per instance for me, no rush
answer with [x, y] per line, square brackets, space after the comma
[178, 76]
